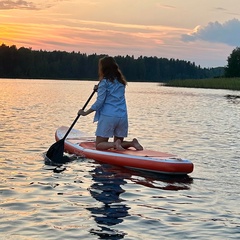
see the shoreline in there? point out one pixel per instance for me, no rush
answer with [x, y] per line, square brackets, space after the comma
[210, 83]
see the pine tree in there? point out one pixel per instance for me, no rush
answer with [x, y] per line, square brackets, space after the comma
[233, 67]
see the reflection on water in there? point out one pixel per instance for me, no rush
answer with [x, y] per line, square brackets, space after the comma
[108, 187]
[233, 98]
[107, 190]
[87, 200]
[165, 182]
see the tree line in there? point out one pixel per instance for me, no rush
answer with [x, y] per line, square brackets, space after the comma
[233, 67]
[39, 64]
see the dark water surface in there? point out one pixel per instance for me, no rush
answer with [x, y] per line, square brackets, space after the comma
[87, 200]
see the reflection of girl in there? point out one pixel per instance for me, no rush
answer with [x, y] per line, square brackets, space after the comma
[106, 189]
[111, 109]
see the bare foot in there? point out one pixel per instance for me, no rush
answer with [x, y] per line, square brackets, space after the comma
[118, 145]
[136, 144]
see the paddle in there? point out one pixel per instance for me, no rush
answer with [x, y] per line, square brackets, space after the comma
[55, 152]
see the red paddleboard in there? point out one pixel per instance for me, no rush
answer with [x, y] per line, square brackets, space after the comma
[83, 145]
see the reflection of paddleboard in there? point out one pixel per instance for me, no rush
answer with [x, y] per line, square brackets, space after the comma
[81, 144]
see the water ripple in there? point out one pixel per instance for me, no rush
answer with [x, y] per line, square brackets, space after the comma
[87, 200]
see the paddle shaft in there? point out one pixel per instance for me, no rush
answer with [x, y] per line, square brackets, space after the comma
[85, 105]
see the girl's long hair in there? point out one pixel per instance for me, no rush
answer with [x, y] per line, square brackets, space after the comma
[109, 69]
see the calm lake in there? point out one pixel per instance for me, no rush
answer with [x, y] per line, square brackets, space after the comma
[88, 200]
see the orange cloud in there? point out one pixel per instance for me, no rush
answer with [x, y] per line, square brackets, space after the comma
[86, 35]
[106, 38]
[20, 4]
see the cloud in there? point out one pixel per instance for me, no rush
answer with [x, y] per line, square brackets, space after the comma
[227, 33]
[19, 4]
[224, 10]
[165, 6]
[27, 5]
[93, 36]
[220, 9]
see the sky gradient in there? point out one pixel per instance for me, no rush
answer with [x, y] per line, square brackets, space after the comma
[200, 31]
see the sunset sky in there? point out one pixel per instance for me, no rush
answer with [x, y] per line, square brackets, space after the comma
[200, 31]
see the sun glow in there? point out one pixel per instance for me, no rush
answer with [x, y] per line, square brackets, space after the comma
[85, 35]
[146, 28]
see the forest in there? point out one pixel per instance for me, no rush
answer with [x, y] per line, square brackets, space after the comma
[26, 63]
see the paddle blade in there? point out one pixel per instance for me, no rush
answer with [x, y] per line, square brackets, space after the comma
[55, 153]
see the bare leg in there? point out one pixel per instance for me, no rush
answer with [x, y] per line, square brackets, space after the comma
[127, 144]
[103, 144]
[118, 145]
[134, 143]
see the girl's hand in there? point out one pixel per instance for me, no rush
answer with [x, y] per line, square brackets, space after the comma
[85, 113]
[95, 88]
[81, 112]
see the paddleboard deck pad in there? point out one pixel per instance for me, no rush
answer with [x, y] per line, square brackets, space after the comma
[82, 144]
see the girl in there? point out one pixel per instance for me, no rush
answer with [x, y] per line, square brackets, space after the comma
[110, 108]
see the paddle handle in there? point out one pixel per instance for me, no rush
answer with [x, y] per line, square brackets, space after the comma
[85, 105]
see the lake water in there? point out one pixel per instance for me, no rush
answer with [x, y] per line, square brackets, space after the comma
[88, 200]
